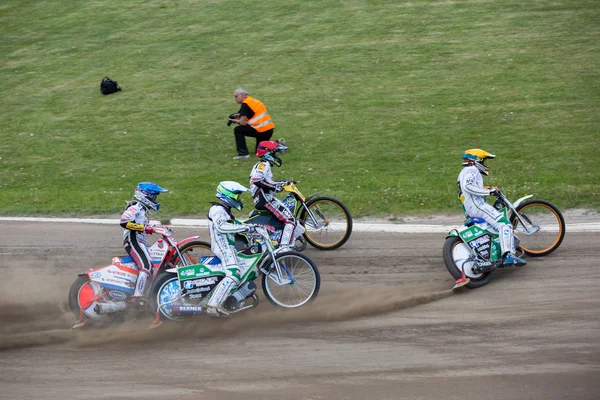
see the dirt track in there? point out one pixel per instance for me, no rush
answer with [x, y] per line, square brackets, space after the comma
[385, 326]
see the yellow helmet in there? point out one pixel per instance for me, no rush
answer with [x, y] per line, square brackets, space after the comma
[477, 157]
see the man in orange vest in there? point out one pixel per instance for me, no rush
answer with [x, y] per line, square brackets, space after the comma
[253, 120]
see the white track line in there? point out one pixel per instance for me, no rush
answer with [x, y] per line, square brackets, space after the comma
[357, 226]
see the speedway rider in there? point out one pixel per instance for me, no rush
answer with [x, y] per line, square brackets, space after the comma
[472, 193]
[263, 187]
[136, 224]
[222, 227]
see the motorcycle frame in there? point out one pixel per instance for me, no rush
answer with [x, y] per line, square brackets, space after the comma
[300, 205]
[509, 206]
[292, 188]
[268, 255]
[165, 260]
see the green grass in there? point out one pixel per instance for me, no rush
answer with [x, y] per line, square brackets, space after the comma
[377, 100]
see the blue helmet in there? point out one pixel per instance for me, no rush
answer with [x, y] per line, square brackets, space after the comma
[229, 192]
[146, 193]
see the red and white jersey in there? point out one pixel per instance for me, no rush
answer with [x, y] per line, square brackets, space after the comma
[136, 213]
[261, 177]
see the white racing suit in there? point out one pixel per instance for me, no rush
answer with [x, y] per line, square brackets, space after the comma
[262, 187]
[222, 228]
[471, 193]
[134, 220]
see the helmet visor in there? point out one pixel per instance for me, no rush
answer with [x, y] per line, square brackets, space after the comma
[229, 193]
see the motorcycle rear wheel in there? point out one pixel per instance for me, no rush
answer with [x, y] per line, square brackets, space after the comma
[455, 255]
[301, 281]
[81, 296]
[547, 222]
[165, 289]
[333, 224]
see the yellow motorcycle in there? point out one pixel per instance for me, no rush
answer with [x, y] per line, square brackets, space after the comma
[326, 221]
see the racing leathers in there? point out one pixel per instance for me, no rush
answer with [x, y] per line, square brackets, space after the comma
[222, 227]
[262, 187]
[472, 193]
[135, 222]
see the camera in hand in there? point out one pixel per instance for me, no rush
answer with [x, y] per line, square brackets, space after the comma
[231, 116]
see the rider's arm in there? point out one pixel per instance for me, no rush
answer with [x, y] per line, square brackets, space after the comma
[220, 219]
[472, 183]
[265, 185]
[132, 226]
[475, 190]
[128, 220]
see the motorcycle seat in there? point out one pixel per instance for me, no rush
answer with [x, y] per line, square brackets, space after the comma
[122, 260]
[470, 221]
[210, 260]
[254, 213]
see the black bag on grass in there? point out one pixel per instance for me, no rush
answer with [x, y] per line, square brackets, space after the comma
[108, 86]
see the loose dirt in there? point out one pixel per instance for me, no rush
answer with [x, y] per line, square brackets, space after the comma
[386, 325]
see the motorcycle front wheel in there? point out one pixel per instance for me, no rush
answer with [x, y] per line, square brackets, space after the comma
[299, 283]
[542, 229]
[328, 223]
[457, 257]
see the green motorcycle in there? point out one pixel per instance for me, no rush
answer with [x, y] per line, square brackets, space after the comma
[472, 252]
[289, 279]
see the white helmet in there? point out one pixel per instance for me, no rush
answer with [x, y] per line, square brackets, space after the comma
[229, 192]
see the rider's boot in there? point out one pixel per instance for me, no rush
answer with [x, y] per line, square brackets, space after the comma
[507, 244]
[219, 294]
[299, 231]
[139, 297]
[287, 237]
[511, 259]
[462, 281]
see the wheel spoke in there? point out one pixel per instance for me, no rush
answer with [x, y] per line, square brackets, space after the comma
[328, 225]
[544, 231]
[297, 290]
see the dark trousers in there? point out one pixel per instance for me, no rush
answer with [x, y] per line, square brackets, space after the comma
[241, 131]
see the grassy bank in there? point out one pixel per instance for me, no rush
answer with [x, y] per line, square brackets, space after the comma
[377, 100]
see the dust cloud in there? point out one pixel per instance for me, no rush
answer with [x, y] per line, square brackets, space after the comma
[34, 312]
[33, 308]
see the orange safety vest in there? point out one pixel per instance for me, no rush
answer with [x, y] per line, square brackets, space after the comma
[261, 121]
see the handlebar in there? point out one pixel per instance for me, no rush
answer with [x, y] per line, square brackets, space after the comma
[163, 230]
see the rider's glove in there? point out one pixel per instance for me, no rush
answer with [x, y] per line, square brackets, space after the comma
[493, 192]
[250, 229]
[149, 229]
[278, 188]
